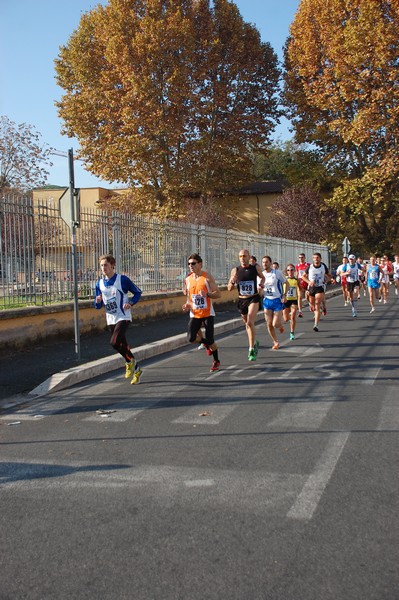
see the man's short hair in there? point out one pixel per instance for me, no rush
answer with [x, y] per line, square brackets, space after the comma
[195, 257]
[109, 258]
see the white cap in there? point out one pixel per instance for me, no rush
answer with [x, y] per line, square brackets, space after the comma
[352, 256]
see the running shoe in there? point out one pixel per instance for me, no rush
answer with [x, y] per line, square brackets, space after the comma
[396, 292]
[292, 336]
[325, 311]
[315, 328]
[372, 310]
[252, 354]
[354, 313]
[215, 365]
[300, 315]
[380, 299]
[137, 376]
[385, 301]
[203, 346]
[130, 369]
[256, 347]
[276, 346]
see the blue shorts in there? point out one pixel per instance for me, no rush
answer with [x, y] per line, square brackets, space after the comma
[275, 304]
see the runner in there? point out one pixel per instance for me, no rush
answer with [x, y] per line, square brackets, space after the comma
[201, 288]
[353, 270]
[273, 299]
[253, 260]
[374, 275]
[395, 267]
[300, 269]
[385, 280]
[342, 279]
[112, 293]
[317, 275]
[362, 277]
[245, 277]
[291, 299]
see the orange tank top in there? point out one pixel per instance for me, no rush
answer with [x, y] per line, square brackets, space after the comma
[201, 306]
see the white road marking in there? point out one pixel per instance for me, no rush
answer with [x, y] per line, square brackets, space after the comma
[309, 498]
[297, 415]
[368, 376]
[302, 350]
[199, 483]
[290, 372]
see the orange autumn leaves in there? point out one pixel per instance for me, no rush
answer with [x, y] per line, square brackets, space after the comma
[342, 91]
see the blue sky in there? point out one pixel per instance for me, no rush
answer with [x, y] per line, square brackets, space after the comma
[33, 31]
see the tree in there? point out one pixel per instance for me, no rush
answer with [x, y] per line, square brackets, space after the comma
[300, 214]
[295, 164]
[21, 156]
[170, 98]
[342, 93]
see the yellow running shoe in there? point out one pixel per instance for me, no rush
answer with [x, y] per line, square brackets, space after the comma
[136, 376]
[130, 369]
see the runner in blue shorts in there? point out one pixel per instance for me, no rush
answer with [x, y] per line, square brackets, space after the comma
[273, 299]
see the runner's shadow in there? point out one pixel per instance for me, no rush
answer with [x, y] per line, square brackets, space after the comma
[15, 471]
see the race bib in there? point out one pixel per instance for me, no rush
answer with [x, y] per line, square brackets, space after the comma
[374, 275]
[247, 288]
[111, 306]
[198, 301]
[318, 280]
[291, 293]
[352, 276]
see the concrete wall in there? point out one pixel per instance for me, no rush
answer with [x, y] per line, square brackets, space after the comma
[23, 327]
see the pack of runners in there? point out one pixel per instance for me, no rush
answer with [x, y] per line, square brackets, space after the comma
[280, 293]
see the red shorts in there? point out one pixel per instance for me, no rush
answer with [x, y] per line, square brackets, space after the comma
[303, 284]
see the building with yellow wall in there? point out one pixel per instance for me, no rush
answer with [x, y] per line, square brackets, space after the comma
[254, 202]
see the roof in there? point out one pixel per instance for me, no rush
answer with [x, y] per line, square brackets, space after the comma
[263, 187]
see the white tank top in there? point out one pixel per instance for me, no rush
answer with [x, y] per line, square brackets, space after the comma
[114, 298]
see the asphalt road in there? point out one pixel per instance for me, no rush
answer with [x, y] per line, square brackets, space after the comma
[273, 480]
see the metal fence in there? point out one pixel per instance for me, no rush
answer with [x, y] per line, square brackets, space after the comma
[35, 251]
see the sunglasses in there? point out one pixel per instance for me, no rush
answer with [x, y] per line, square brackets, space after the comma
[191, 264]
[290, 269]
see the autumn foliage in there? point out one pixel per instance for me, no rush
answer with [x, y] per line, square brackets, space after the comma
[23, 158]
[301, 214]
[168, 97]
[341, 89]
